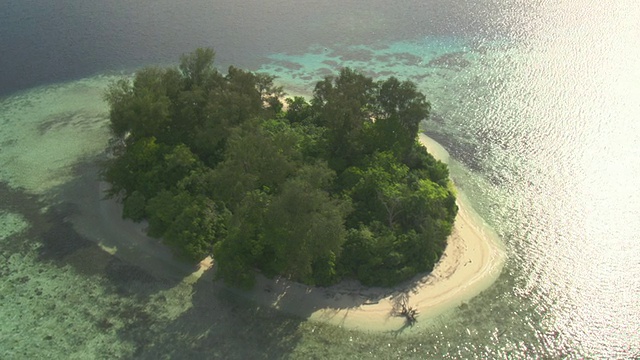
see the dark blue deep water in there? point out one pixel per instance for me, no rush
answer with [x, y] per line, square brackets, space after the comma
[537, 102]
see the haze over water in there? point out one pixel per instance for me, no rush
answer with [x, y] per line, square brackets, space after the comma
[537, 102]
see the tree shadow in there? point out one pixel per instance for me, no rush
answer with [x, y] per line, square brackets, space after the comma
[219, 322]
[402, 309]
[76, 229]
[334, 304]
[221, 325]
[56, 220]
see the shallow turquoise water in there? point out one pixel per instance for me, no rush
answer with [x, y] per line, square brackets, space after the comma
[539, 115]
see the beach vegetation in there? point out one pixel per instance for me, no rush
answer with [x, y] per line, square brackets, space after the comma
[317, 191]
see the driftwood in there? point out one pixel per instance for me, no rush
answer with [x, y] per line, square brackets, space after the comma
[410, 314]
[406, 311]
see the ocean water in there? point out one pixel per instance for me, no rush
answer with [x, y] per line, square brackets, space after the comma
[537, 102]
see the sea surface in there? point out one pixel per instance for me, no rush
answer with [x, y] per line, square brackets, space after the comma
[537, 101]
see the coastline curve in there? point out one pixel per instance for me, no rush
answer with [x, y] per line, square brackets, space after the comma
[472, 261]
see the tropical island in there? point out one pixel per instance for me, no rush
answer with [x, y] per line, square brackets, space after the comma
[316, 192]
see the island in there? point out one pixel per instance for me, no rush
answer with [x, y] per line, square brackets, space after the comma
[336, 190]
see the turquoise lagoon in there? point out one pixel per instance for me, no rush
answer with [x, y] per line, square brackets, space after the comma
[540, 118]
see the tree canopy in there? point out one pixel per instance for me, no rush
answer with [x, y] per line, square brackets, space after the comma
[337, 187]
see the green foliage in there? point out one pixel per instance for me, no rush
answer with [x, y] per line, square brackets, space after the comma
[188, 223]
[256, 159]
[402, 101]
[137, 169]
[298, 109]
[424, 165]
[243, 248]
[363, 117]
[305, 225]
[402, 221]
[141, 109]
[196, 228]
[344, 105]
[316, 192]
[197, 67]
[119, 97]
[163, 208]
[378, 189]
[133, 206]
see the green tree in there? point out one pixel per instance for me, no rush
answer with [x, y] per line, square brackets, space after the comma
[197, 228]
[402, 101]
[378, 188]
[178, 163]
[137, 169]
[164, 208]
[344, 105]
[304, 226]
[298, 109]
[119, 97]
[190, 224]
[238, 254]
[269, 93]
[256, 159]
[141, 109]
[197, 67]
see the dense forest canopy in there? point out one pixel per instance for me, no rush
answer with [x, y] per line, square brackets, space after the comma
[318, 191]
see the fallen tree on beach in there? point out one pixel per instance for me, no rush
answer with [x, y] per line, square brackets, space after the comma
[401, 308]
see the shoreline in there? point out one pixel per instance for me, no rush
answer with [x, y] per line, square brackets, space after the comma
[471, 262]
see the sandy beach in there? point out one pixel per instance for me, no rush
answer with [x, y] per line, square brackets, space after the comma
[471, 262]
